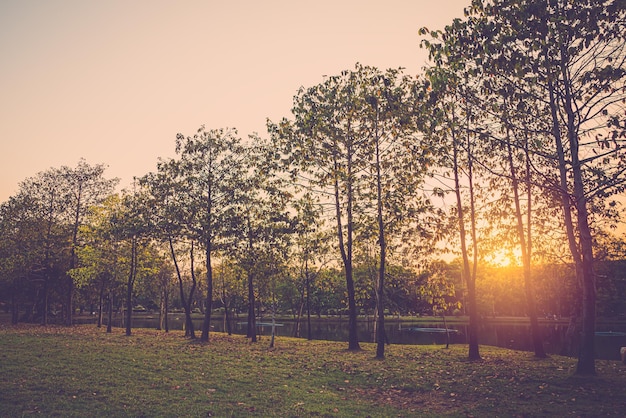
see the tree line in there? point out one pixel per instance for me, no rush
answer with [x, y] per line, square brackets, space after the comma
[511, 142]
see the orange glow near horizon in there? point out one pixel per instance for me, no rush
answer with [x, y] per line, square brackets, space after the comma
[504, 258]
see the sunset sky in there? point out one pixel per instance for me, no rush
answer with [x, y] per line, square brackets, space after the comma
[113, 81]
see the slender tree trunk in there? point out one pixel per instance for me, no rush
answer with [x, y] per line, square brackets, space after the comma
[192, 267]
[471, 283]
[110, 313]
[70, 280]
[273, 324]
[129, 287]
[227, 320]
[586, 358]
[251, 300]
[526, 246]
[308, 304]
[100, 302]
[251, 315]
[474, 353]
[583, 258]
[380, 291]
[166, 297]
[162, 304]
[530, 288]
[47, 268]
[346, 256]
[206, 326]
[189, 331]
[297, 328]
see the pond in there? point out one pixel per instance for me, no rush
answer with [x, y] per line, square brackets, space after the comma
[508, 334]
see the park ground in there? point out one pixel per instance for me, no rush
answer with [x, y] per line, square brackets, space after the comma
[82, 371]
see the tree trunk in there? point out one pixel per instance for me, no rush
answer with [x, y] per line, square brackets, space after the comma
[474, 353]
[297, 326]
[471, 282]
[206, 326]
[70, 280]
[100, 302]
[273, 325]
[251, 300]
[166, 298]
[110, 313]
[227, 325]
[251, 315]
[131, 281]
[586, 358]
[308, 305]
[380, 292]
[189, 331]
[526, 247]
[189, 321]
[583, 254]
[346, 256]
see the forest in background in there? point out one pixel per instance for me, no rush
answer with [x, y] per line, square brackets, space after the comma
[509, 146]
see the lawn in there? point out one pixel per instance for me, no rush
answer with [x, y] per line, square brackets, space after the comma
[82, 371]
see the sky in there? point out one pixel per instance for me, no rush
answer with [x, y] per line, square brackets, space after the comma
[114, 81]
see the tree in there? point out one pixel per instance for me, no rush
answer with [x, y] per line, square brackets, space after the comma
[59, 199]
[311, 251]
[20, 250]
[575, 52]
[211, 164]
[397, 168]
[329, 144]
[454, 126]
[170, 219]
[260, 223]
[47, 202]
[85, 187]
[99, 255]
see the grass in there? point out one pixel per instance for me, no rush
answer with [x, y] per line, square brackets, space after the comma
[82, 371]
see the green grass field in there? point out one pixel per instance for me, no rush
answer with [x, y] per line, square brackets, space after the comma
[84, 372]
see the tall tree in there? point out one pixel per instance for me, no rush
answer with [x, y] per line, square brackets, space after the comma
[48, 202]
[454, 125]
[100, 253]
[311, 252]
[20, 250]
[171, 220]
[327, 151]
[398, 163]
[260, 223]
[60, 199]
[575, 51]
[211, 163]
[85, 187]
